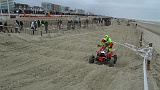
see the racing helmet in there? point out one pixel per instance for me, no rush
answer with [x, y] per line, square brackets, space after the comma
[106, 36]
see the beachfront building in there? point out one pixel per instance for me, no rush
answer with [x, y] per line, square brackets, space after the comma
[57, 9]
[63, 9]
[89, 13]
[4, 5]
[53, 10]
[21, 8]
[67, 10]
[71, 12]
[47, 7]
[79, 12]
[37, 10]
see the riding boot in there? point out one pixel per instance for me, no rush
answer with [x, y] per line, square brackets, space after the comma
[148, 65]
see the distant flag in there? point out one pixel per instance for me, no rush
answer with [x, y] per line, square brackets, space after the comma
[49, 14]
[24, 14]
[61, 14]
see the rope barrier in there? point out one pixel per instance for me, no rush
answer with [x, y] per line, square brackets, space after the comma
[136, 49]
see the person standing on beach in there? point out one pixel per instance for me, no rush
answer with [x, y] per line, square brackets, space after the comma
[58, 24]
[68, 25]
[46, 26]
[16, 26]
[42, 23]
[38, 22]
[32, 26]
[1, 26]
[17, 22]
[5, 27]
[21, 25]
[79, 22]
[87, 21]
[35, 25]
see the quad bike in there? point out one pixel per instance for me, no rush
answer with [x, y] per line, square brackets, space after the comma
[104, 57]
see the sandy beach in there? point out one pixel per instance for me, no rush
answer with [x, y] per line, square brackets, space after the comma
[59, 61]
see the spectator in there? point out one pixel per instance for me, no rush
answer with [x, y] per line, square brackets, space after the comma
[16, 26]
[99, 20]
[136, 25]
[84, 24]
[17, 22]
[46, 26]
[74, 20]
[5, 27]
[32, 25]
[68, 25]
[42, 23]
[58, 24]
[72, 24]
[87, 22]
[102, 20]
[38, 22]
[35, 25]
[1, 26]
[80, 23]
[21, 25]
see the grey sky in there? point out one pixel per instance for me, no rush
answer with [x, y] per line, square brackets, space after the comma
[138, 9]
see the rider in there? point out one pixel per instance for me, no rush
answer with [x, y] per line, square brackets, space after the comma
[107, 42]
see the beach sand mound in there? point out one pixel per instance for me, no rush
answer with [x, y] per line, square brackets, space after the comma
[59, 61]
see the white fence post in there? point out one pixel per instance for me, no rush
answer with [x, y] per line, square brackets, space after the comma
[145, 74]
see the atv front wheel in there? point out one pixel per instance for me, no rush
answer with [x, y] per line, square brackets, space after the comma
[115, 59]
[91, 59]
[111, 62]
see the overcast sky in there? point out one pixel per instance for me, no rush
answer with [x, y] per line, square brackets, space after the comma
[137, 9]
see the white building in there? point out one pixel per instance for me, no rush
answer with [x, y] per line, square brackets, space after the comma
[4, 8]
[4, 5]
[47, 7]
[62, 9]
[79, 11]
[67, 10]
[89, 13]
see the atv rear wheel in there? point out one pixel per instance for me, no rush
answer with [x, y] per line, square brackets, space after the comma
[111, 62]
[91, 59]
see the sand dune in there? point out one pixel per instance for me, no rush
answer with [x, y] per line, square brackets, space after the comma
[60, 61]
